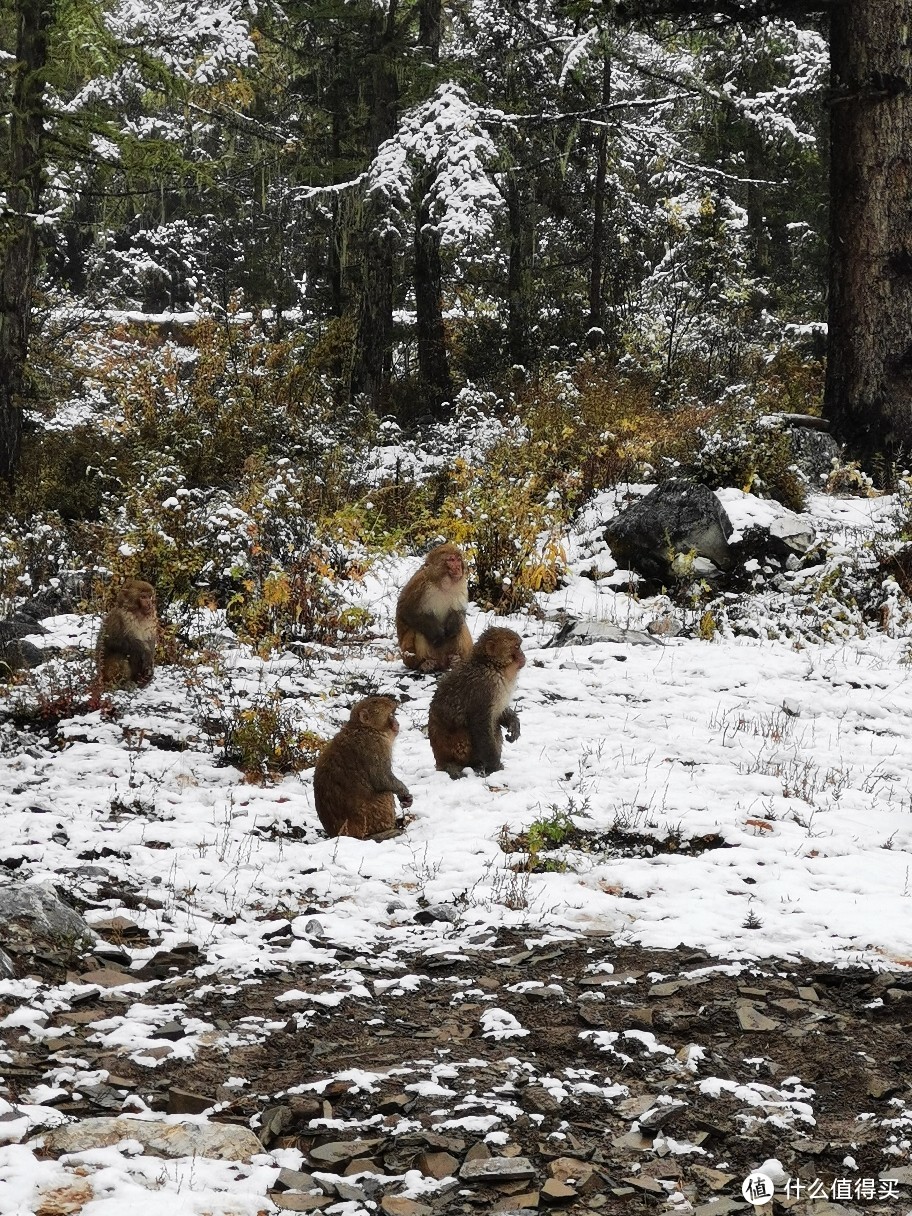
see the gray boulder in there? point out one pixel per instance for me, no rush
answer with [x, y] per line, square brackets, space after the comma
[33, 917]
[224, 1141]
[678, 521]
[587, 633]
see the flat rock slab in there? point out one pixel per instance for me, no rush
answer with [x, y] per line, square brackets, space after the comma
[498, 1169]
[340, 1152]
[223, 1141]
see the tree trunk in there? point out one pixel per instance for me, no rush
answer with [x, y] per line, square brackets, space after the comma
[373, 356]
[868, 394]
[18, 235]
[435, 386]
[599, 200]
[519, 273]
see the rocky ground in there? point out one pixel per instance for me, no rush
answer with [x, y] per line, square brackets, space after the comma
[505, 1075]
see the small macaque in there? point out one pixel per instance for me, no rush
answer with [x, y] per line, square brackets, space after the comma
[353, 779]
[472, 703]
[430, 613]
[125, 654]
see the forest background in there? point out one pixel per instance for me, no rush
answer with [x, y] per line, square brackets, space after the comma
[285, 285]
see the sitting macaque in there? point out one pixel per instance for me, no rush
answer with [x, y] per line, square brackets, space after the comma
[471, 704]
[430, 613]
[125, 653]
[353, 778]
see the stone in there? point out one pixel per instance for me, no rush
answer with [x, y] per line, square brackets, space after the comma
[657, 1116]
[527, 1201]
[667, 626]
[440, 912]
[751, 1019]
[793, 532]
[537, 1099]
[7, 970]
[398, 1205]
[64, 1200]
[814, 452]
[716, 1180]
[589, 632]
[33, 917]
[641, 1183]
[676, 519]
[223, 1141]
[294, 1180]
[340, 1152]
[497, 1169]
[108, 977]
[572, 1171]
[437, 1165]
[293, 1201]
[183, 1102]
[554, 1191]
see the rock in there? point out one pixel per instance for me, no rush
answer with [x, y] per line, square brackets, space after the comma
[716, 1180]
[572, 1172]
[793, 532]
[657, 1116]
[814, 452]
[537, 1099]
[497, 1169]
[224, 1141]
[677, 518]
[183, 1102]
[294, 1180]
[667, 626]
[16, 654]
[52, 601]
[526, 1202]
[108, 977]
[589, 632]
[398, 1205]
[340, 1152]
[437, 1165]
[292, 1201]
[752, 1019]
[7, 970]
[64, 1200]
[645, 1184]
[557, 1192]
[33, 917]
[442, 912]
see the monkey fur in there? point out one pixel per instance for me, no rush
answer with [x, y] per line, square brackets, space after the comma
[471, 704]
[125, 653]
[430, 613]
[353, 779]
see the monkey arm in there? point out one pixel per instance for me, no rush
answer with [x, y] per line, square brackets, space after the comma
[436, 631]
[390, 784]
[510, 721]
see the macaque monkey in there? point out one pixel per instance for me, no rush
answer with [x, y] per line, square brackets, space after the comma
[430, 613]
[353, 779]
[471, 704]
[125, 654]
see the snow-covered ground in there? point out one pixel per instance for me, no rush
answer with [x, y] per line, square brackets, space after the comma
[798, 757]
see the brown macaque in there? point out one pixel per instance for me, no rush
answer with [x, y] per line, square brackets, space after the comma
[125, 654]
[353, 779]
[430, 613]
[472, 703]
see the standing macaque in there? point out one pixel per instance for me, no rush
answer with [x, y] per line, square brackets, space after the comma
[353, 778]
[125, 654]
[430, 613]
[471, 704]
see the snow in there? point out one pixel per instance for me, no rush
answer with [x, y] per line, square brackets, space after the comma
[810, 803]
